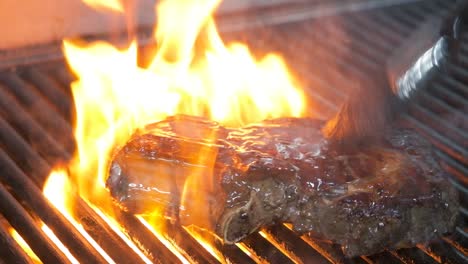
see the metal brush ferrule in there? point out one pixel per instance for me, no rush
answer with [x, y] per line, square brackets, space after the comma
[424, 69]
[426, 52]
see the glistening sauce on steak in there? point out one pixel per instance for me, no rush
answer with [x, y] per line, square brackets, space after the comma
[387, 195]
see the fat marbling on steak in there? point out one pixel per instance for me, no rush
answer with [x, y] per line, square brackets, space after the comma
[387, 195]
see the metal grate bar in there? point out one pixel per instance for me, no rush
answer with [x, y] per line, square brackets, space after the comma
[42, 142]
[377, 26]
[230, 253]
[147, 242]
[234, 254]
[265, 250]
[36, 104]
[335, 71]
[33, 235]
[294, 246]
[385, 20]
[99, 230]
[39, 170]
[41, 110]
[18, 181]
[349, 48]
[460, 153]
[14, 145]
[447, 145]
[455, 169]
[443, 139]
[183, 239]
[457, 85]
[92, 219]
[408, 255]
[188, 243]
[440, 124]
[61, 75]
[385, 257]
[449, 96]
[442, 108]
[333, 253]
[458, 69]
[11, 252]
[442, 252]
[403, 20]
[50, 91]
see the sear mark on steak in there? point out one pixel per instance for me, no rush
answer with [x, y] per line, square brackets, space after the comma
[383, 196]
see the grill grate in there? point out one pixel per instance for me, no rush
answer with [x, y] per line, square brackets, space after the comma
[330, 55]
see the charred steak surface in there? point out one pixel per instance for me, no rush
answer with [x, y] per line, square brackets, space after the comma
[235, 181]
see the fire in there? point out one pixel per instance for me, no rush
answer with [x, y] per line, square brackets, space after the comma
[56, 189]
[114, 5]
[59, 244]
[24, 245]
[205, 241]
[193, 72]
[154, 225]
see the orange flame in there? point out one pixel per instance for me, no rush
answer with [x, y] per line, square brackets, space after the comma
[57, 189]
[206, 240]
[59, 244]
[192, 73]
[155, 225]
[114, 5]
[24, 245]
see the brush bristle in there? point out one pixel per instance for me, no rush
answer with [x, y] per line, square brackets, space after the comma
[363, 118]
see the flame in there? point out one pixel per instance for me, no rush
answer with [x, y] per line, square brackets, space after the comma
[59, 244]
[118, 230]
[24, 245]
[206, 241]
[113, 5]
[154, 224]
[56, 189]
[192, 72]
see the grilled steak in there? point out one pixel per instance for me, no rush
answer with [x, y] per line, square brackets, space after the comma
[233, 181]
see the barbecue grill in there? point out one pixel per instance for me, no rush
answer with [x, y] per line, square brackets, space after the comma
[329, 54]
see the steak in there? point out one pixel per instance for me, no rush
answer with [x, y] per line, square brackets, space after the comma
[384, 195]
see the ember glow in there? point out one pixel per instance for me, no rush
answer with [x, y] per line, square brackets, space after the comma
[56, 189]
[59, 244]
[22, 243]
[193, 72]
[114, 5]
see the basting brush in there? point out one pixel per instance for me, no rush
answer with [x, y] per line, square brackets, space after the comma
[368, 112]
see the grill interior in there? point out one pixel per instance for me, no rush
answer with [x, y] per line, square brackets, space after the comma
[329, 55]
